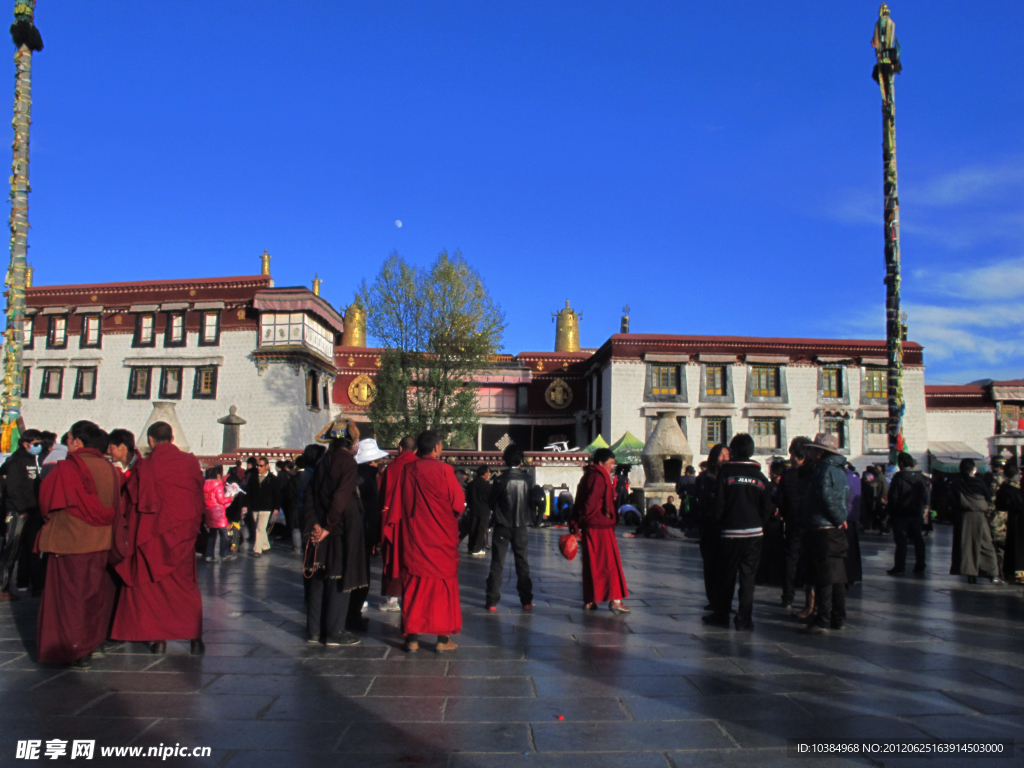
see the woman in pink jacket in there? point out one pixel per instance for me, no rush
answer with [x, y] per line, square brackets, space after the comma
[217, 501]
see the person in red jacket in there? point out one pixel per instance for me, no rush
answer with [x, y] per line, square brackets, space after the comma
[164, 508]
[432, 501]
[391, 516]
[594, 518]
[217, 500]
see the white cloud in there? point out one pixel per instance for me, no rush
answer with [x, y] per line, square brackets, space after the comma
[967, 185]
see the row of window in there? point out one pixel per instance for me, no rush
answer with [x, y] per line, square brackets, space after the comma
[145, 331]
[767, 433]
[140, 383]
[765, 381]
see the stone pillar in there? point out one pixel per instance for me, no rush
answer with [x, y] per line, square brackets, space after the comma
[232, 430]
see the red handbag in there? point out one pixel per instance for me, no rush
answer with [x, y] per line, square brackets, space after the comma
[568, 546]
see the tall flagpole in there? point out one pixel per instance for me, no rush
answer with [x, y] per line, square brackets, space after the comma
[26, 40]
[887, 66]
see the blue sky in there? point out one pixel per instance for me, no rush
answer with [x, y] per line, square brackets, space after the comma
[715, 166]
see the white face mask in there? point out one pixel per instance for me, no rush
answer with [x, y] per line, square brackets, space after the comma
[36, 449]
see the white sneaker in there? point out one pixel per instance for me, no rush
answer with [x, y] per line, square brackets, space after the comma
[391, 605]
[481, 553]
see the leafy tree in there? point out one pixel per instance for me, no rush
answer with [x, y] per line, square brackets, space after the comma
[437, 327]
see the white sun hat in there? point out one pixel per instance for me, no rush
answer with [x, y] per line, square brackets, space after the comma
[367, 451]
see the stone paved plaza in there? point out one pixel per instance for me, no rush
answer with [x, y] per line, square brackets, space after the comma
[921, 659]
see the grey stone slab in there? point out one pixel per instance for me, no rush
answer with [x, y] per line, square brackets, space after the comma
[662, 666]
[132, 682]
[759, 758]
[226, 665]
[572, 668]
[561, 760]
[628, 736]
[973, 728]
[991, 702]
[23, 680]
[735, 706]
[375, 668]
[840, 704]
[392, 738]
[774, 733]
[292, 759]
[650, 685]
[115, 731]
[242, 734]
[259, 685]
[538, 710]
[335, 708]
[450, 686]
[717, 685]
[179, 705]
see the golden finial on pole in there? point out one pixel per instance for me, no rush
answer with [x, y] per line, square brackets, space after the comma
[316, 284]
[355, 325]
[265, 257]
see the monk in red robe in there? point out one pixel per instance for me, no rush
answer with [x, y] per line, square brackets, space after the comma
[432, 501]
[164, 507]
[594, 518]
[391, 515]
[78, 500]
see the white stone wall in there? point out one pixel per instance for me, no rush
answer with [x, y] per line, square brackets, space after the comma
[273, 405]
[974, 426]
[624, 407]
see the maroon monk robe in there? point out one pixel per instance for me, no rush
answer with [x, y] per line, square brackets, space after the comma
[391, 516]
[164, 509]
[432, 501]
[78, 499]
[595, 518]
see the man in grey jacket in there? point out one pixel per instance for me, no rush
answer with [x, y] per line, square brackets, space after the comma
[510, 500]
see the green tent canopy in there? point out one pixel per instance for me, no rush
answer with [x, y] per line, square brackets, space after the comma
[599, 442]
[628, 449]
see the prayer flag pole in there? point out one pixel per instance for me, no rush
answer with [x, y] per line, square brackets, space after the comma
[887, 66]
[26, 40]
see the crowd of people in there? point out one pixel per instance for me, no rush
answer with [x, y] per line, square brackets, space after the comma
[105, 538]
[109, 537]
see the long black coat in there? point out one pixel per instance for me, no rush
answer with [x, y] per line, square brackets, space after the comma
[332, 501]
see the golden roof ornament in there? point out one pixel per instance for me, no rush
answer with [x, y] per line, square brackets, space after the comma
[316, 284]
[265, 258]
[567, 329]
[355, 325]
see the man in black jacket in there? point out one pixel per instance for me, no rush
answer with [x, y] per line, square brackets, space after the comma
[706, 492]
[791, 490]
[742, 506]
[510, 499]
[478, 500]
[263, 498]
[909, 497]
[21, 470]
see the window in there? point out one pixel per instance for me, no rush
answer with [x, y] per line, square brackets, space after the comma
[138, 383]
[714, 380]
[325, 393]
[205, 387]
[664, 380]
[279, 329]
[53, 383]
[766, 433]
[26, 376]
[312, 398]
[496, 399]
[144, 336]
[29, 338]
[522, 399]
[835, 425]
[877, 434]
[90, 338]
[714, 431]
[209, 334]
[764, 381]
[85, 384]
[170, 384]
[876, 383]
[57, 333]
[174, 336]
[831, 382]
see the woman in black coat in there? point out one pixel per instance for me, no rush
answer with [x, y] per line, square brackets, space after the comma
[1010, 499]
[970, 500]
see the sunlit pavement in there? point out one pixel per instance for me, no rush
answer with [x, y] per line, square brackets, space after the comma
[920, 659]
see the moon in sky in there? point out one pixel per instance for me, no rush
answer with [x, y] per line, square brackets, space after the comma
[398, 223]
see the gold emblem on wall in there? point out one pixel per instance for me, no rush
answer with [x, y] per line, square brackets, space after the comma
[558, 394]
[361, 391]
[351, 362]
